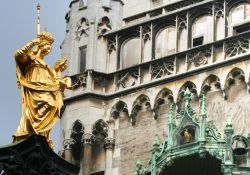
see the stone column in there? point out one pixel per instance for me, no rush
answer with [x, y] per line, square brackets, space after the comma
[86, 162]
[67, 143]
[109, 145]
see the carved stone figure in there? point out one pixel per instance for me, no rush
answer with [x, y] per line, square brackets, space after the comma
[41, 88]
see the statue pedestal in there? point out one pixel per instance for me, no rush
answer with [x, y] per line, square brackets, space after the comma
[33, 156]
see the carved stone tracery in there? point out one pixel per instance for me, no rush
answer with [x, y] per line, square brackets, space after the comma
[199, 58]
[79, 80]
[82, 28]
[219, 9]
[104, 25]
[146, 33]
[162, 68]
[237, 47]
[182, 22]
[128, 79]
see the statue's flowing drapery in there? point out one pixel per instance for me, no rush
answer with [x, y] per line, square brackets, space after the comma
[41, 96]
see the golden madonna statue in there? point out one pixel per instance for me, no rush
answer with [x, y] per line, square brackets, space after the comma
[41, 88]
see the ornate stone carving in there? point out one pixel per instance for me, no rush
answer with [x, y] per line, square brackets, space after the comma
[79, 80]
[82, 28]
[235, 75]
[182, 22]
[212, 134]
[104, 25]
[67, 143]
[211, 82]
[109, 143]
[161, 98]
[118, 108]
[111, 46]
[162, 68]
[199, 58]
[237, 47]
[127, 79]
[219, 9]
[146, 33]
[87, 138]
[141, 101]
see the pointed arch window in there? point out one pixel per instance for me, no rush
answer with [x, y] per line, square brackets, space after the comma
[165, 42]
[239, 19]
[130, 52]
[202, 31]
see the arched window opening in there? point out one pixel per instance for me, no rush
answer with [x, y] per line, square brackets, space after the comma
[239, 19]
[165, 42]
[77, 132]
[130, 53]
[202, 30]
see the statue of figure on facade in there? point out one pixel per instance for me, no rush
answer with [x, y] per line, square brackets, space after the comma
[187, 136]
[41, 88]
[140, 169]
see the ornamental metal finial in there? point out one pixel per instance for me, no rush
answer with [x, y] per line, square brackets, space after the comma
[171, 112]
[38, 7]
[187, 97]
[203, 105]
[229, 121]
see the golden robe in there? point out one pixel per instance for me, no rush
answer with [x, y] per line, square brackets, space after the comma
[41, 96]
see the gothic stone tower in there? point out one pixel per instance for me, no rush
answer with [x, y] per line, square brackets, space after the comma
[129, 59]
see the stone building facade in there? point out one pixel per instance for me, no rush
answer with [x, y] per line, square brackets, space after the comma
[128, 60]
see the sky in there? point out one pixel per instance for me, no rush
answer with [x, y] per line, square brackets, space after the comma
[18, 26]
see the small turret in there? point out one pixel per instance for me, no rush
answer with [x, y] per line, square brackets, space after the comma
[87, 23]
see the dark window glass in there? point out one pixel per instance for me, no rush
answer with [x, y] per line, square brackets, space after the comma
[198, 41]
[82, 55]
[241, 29]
